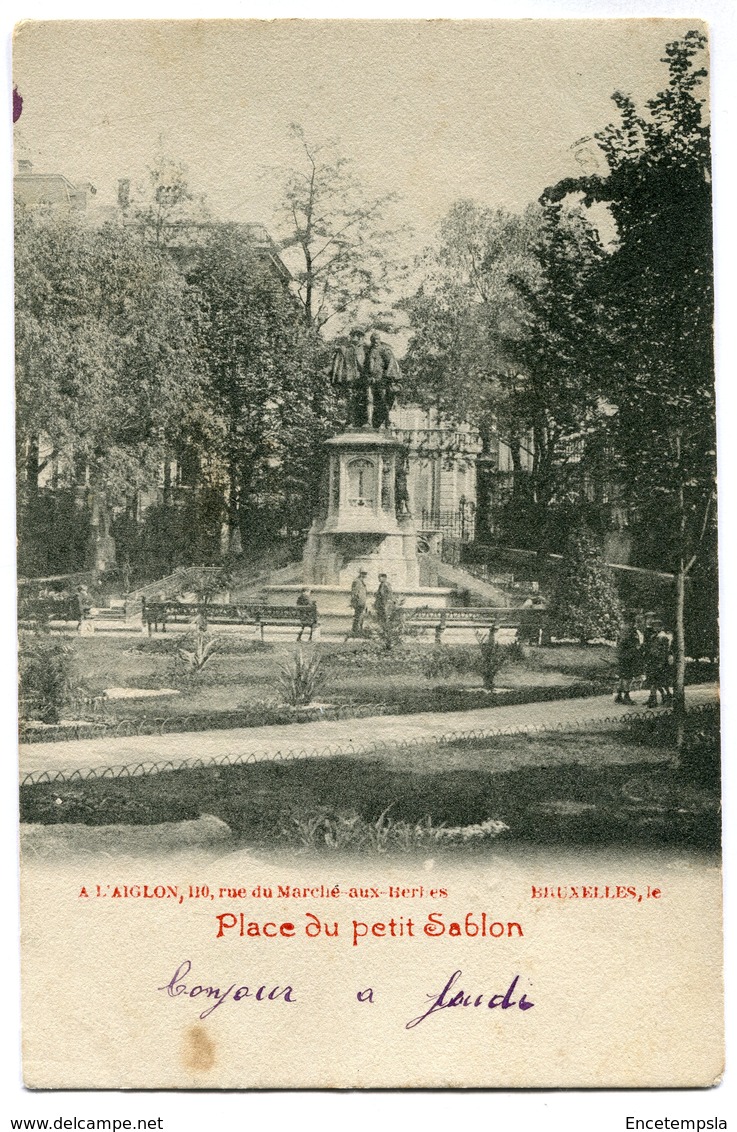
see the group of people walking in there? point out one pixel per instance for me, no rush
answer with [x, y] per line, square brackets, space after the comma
[649, 653]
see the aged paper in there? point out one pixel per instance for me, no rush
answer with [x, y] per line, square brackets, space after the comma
[358, 484]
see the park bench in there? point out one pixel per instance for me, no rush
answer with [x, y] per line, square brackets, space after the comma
[487, 617]
[467, 617]
[36, 610]
[261, 615]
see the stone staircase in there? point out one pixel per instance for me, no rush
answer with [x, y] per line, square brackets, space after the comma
[481, 591]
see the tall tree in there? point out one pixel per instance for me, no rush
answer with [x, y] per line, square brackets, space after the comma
[343, 237]
[269, 405]
[105, 357]
[654, 338]
[162, 205]
[495, 334]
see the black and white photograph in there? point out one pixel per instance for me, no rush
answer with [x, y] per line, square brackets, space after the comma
[367, 571]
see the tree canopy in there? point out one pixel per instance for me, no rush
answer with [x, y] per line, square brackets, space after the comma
[344, 238]
[497, 337]
[267, 396]
[106, 352]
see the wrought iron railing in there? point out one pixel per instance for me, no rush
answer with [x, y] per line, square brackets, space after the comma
[457, 523]
[184, 578]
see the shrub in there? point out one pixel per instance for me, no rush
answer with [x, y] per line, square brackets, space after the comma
[449, 660]
[485, 661]
[493, 658]
[585, 603]
[201, 651]
[227, 646]
[699, 758]
[47, 667]
[300, 678]
[391, 628]
[371, 655]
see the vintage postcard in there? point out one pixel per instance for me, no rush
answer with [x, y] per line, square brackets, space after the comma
[367, 554]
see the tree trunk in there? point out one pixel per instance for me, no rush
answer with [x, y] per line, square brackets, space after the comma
[485, 467]
[309, 284]
[33, 467]
[679, 637]
[167, 480]
[235, 545]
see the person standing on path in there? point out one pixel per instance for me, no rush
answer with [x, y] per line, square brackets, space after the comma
[84, 606]
[658, 660]
[629, 663]
[384, 601]
[359, 601]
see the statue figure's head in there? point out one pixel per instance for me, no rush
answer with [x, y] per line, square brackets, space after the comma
[355, 335]
[375, 338]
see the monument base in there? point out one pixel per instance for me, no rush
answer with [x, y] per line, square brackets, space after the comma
[335, 558]
[335, 600]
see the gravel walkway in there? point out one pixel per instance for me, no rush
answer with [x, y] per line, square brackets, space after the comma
[323, 737]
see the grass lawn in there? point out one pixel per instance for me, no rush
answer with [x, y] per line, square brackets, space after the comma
[599, 788]
[243, 673]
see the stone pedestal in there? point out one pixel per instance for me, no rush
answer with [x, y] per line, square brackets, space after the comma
[363, 524]
[358, 526]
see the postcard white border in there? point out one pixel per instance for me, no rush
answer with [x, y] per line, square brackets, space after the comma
[539, 1109]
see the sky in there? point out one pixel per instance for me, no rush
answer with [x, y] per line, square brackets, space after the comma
[430, 110]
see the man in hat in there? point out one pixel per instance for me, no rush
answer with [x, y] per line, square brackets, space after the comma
[359, 600]
[629, 659]
[84, 604]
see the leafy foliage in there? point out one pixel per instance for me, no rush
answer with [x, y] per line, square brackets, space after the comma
[584, 603]
[655, 288]
[493, 658]
[391, 627]
[444, 661]
[496, 323]
[345, 832]
[486, 661]
[300, 678]
[106, 363]
[105, 351]
[344, 238]
[201, 652]
[163, 206]
[47, 670]
[268, 403]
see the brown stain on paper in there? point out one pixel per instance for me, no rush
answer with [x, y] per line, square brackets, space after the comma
[199, 1050]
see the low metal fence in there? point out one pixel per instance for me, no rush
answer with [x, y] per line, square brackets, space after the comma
[273, 713]
[351, 750]
[459, 523]
[264, 715]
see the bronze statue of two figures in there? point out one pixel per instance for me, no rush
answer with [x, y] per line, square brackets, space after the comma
[368, 377]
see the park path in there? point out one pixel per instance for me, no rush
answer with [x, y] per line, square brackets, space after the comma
[323, 737]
